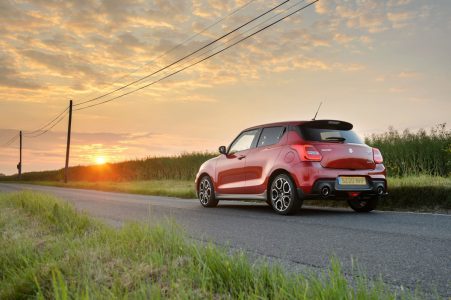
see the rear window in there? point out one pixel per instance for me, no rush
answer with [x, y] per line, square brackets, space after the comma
[330, 135]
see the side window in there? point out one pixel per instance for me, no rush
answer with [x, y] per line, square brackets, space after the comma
[243, 141]
[270, 136]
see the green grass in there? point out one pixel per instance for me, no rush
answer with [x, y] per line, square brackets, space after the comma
[425, 193]
[49, 251]
[171, 188]
[415, 153]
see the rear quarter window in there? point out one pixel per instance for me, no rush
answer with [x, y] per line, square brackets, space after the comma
[270, 136]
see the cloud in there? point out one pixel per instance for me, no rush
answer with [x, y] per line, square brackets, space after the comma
[76, 47]
[371, 16]
[322, 7]
[10, 77]
[392, 3]
[408, 74]
[396, 90]
[343, 38]
[400, 19]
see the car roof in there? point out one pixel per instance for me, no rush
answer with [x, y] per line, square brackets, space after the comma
[276, 124]
[346, 125]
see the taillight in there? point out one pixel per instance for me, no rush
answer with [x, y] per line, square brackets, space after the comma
[377, 156]
[307, 152]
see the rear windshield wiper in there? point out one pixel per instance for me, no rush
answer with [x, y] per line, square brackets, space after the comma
[336, 138]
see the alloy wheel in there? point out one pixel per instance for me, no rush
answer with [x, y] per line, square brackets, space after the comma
[281, 194]
[204, 191]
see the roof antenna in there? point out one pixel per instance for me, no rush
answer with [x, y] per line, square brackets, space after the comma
[314, 118]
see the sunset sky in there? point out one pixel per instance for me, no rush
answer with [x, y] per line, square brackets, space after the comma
[373, 63]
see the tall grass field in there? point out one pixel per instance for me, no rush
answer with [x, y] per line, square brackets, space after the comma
[415, 153]
[180, 167]
[50, 251]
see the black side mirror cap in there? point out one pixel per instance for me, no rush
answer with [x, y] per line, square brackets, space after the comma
[223, 150]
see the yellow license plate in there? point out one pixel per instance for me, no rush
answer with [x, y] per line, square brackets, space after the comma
[351, 180]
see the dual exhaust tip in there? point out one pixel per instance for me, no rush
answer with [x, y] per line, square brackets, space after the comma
[326, 191]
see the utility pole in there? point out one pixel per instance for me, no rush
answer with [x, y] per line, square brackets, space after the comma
[66, 170]
[19, 166]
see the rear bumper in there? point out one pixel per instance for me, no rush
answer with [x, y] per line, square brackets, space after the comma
[330, 189]
[314, 181]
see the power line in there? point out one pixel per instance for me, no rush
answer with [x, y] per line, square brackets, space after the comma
[11, 140]
[42, 128]
[180, 44]
[202, 60]
[241, 34]
[61, 118]
[186, 56]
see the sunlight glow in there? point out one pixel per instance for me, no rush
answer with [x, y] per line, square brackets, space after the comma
[100, 160]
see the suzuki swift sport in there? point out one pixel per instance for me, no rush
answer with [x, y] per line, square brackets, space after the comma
[285, 163]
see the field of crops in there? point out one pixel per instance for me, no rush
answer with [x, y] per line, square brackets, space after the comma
[180, 167]
[415, 153]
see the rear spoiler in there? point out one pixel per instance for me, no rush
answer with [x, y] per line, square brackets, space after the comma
[327, 124]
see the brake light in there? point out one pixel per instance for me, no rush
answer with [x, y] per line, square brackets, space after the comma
[377, 156]
[308, 152]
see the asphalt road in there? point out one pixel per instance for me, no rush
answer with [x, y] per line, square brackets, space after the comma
[406, 249]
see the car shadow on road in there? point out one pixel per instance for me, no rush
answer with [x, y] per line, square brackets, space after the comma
[266, 209]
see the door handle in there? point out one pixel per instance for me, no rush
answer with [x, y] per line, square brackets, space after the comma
[241, 157]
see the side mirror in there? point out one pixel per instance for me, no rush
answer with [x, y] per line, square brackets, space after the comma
[223, 150]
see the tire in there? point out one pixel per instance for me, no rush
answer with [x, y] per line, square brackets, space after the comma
[206, 192]
[283, 196]
[363, 205]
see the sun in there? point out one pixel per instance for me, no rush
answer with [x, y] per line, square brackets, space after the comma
[100, 160]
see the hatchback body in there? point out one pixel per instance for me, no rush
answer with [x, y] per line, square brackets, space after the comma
[285, 163]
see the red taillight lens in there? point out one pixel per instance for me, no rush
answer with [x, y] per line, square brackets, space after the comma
[377, 156]
[308, 152]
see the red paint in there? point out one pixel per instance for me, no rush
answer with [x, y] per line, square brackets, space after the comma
[249, 171]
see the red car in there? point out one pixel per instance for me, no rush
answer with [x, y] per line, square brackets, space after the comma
[285, 163]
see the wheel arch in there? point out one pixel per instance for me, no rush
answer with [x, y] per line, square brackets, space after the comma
[200, 177]
[275, 173]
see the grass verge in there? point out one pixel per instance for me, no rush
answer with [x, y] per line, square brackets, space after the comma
[171, 188]
[49, 251]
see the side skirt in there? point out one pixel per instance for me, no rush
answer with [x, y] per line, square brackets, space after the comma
[261, 196]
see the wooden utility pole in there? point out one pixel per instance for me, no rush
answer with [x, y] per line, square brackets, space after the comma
[19, 166]
[66, 170]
